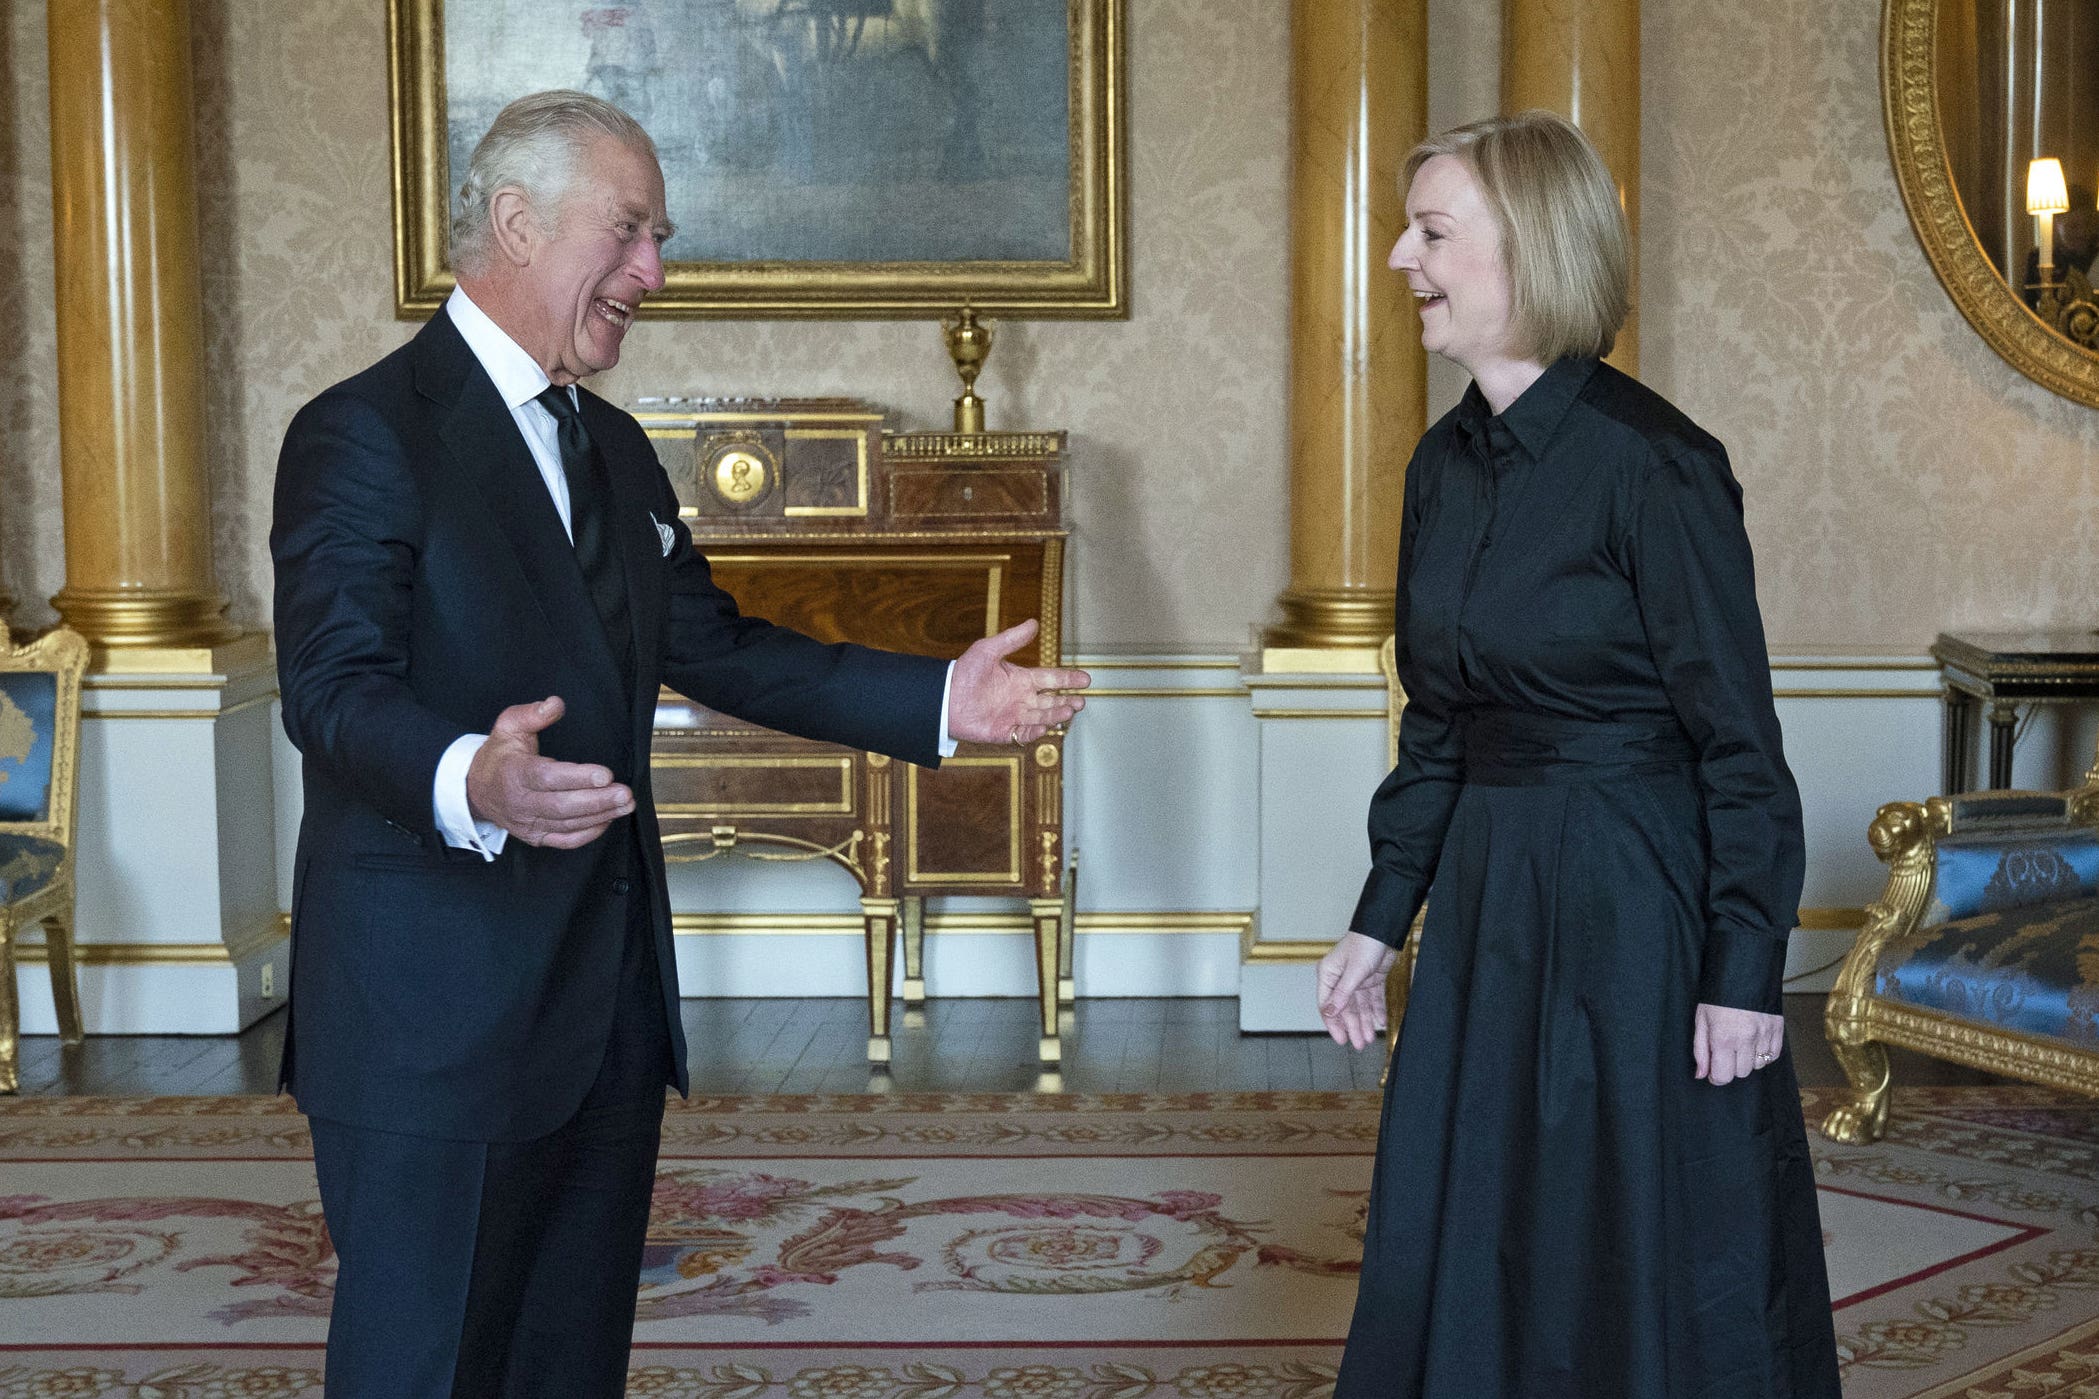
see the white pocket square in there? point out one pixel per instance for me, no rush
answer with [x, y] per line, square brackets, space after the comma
[663, 534]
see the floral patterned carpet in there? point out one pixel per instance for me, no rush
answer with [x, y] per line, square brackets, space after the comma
[991, 1247]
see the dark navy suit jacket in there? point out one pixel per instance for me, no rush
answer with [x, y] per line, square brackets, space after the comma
[424, 584]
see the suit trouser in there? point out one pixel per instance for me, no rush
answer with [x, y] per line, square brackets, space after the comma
[472, 1269]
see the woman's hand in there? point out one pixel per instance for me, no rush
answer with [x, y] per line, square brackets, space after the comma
[1352, 989]
[1728, 1044]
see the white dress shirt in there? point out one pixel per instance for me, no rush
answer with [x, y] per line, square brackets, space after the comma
[520, 381]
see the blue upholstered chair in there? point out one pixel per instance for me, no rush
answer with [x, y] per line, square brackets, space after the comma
[1983, 950]
[39, 742]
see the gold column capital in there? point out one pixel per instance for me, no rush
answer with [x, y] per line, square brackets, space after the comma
[130, 326]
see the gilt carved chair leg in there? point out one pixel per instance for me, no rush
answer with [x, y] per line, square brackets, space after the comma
[10, 1012]
[881, 919]
[914, 920]
[1049, 917]
[65, 983]
[1865, 1063]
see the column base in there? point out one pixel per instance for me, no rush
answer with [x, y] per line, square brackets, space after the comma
[113, 618]
[1332, 618]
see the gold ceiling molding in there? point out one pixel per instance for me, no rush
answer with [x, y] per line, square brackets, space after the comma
[1910, 108]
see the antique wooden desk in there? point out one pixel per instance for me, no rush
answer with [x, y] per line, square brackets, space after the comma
[815, 516]
[2005, 670]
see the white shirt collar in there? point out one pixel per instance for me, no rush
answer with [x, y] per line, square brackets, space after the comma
[518, 377]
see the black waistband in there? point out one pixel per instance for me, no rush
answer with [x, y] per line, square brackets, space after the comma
[1512, 748]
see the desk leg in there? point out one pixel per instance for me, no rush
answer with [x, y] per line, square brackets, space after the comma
[1954, 778]
[2004, 728]
[1067, 986]
[914, 929]
[881, 918]
[1049, 920]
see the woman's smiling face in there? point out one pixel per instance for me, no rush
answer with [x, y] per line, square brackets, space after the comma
[1451, 256]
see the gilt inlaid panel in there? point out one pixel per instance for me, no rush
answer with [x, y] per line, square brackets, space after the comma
[963, 823]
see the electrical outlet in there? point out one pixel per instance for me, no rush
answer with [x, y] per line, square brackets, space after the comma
[269, 981]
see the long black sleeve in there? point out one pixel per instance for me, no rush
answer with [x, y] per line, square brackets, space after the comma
[1696, 586]
[1411, 808]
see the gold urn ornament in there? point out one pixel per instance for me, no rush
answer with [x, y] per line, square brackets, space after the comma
[968, 345]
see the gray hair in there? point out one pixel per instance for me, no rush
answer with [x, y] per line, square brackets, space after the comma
[533, 146]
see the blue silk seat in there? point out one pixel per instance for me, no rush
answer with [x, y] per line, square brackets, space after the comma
[1984, 949]
[28, 865]
[39, 741]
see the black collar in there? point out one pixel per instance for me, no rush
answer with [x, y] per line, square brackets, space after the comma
[1535, 416]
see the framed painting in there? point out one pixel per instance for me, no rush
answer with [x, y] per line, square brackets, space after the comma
[826, 158]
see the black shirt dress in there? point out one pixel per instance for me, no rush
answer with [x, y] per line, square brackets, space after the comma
[1592, 798]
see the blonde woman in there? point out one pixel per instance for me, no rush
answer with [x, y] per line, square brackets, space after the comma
[1592, 1178]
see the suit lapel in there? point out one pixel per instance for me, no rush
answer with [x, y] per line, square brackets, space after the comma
[483, 438]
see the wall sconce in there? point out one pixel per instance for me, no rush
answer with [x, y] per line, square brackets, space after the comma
[2046, 196]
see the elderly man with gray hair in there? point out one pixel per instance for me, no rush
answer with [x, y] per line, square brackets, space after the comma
[482, 581]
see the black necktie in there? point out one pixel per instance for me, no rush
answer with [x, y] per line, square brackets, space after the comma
[588, 490]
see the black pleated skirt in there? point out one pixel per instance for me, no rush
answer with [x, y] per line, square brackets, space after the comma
[1560, 1209]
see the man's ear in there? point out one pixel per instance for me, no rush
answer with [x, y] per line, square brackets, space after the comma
[514, 225]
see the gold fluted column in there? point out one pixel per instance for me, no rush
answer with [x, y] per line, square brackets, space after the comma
[1581, 58]
[130, 337]
[1359, 102]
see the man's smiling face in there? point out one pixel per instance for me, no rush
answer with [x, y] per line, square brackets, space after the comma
[603, 254]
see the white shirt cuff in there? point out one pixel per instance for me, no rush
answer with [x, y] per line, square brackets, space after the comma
[947, 740]
[455, 819]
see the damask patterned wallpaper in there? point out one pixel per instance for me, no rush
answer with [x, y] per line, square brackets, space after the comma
[1900, 477]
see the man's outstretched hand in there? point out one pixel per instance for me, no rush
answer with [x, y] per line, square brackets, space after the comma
[993, 700]
[538, 800]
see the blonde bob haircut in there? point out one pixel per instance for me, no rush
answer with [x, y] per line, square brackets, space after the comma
[1563, 238]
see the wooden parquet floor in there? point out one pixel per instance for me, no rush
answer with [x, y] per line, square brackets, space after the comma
[816, 1046]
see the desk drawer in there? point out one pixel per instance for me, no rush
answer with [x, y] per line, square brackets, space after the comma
[729, 786]
[986, 494]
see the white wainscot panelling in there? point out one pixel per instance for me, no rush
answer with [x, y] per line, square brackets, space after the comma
[1859, 731]
[1206, 807]
[1322, 753]
[176, 918]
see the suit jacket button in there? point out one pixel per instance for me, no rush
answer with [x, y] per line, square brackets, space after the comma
[621, 886]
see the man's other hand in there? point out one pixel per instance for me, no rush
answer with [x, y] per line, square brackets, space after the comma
[539, 800]
[993, 700]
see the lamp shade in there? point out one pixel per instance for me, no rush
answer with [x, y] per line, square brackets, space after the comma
[2045, 192]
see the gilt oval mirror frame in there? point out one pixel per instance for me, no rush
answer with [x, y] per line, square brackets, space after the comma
[1916, 139]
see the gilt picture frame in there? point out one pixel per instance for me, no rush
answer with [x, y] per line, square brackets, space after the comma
[822, 158]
